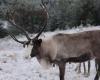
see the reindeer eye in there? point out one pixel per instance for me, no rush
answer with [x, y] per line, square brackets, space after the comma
[40, 41]
[37, 42]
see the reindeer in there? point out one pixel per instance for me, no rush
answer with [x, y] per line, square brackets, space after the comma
[62, 48]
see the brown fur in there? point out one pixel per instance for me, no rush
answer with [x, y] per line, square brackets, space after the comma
[69, 46]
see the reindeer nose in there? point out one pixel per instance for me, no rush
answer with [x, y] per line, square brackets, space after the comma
[32, 55]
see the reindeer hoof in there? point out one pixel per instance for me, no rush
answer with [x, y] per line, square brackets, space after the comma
[79, 72]
[86, 74]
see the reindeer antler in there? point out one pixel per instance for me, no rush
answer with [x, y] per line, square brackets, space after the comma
[10, 19]
[20, 28]
[12, 22]
[22, 42]
[43, 5]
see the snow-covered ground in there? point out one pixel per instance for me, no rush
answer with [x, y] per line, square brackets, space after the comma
[14, 65]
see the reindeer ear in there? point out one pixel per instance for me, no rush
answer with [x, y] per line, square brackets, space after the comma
[40, 41]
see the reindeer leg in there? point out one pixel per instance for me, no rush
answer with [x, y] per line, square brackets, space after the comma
[85, 72]
[61, 70]
[98, 71]
[96, 65]
[89, 65]
[79, 70]
[84, 68]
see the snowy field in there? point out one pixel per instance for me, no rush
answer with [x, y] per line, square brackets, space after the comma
[14, 65]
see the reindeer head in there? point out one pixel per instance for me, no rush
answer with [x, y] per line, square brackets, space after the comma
[35, 42]
[36, 45]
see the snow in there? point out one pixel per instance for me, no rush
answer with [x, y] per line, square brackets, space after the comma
[14, 65]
